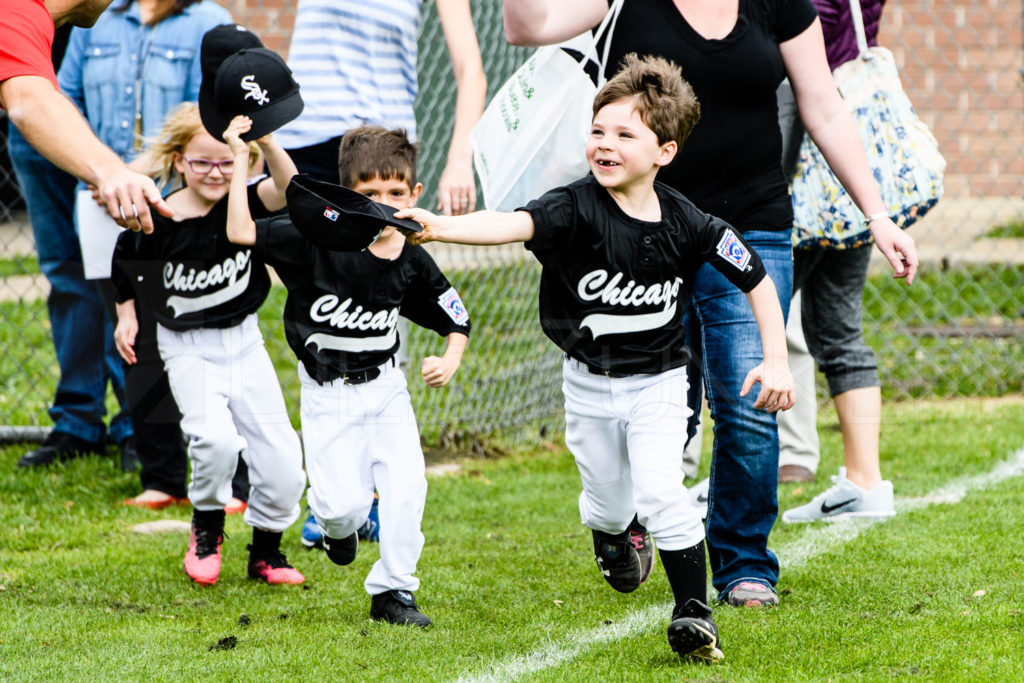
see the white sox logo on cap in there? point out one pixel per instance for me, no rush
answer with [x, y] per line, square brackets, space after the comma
[253, 90]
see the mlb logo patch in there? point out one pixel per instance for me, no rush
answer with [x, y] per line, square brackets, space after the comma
[452, 305]
[732, 250]
[331, 214]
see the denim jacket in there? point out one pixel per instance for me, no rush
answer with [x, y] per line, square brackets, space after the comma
[121, 69]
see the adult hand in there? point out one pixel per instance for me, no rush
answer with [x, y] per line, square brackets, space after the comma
[128, 197]
[456, 193]
[897, 246]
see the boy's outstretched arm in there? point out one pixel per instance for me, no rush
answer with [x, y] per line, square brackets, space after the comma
[438, 371]
[773, 373]
[241, 229]
[480, 227]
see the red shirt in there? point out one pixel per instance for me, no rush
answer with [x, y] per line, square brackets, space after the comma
[26, 40]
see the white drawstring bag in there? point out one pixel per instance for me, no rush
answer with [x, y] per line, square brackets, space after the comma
[902, 152]
[532, 135]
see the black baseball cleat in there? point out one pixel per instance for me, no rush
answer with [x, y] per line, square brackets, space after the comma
[341, 550]
[693, 632]
[641, 540]
[60, 446]
[397, 607]
[618, 560]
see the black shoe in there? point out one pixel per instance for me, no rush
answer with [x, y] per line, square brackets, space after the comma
[397, 607]
[342, 550]
[693, 632]
[618, 560]
[60, 446]
[129, 455]
[641, 540]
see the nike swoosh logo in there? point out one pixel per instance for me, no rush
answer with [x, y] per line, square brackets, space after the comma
[826, 508]
[702, 498]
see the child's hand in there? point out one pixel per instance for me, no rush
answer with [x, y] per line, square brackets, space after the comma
[266, 141]
[429, 221]
[239, 126]
[777, 391]
[124, 337]
[438, 371]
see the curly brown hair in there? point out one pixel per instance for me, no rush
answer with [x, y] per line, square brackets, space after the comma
[663, 99]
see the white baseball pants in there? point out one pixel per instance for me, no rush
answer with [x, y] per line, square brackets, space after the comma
[231, 402]
[357, 438]
[627, 435]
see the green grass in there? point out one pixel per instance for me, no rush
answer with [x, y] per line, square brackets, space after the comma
[507, 571]
[1013, 229]
[19, 265]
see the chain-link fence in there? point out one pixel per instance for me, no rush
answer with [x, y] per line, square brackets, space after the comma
[957, 332]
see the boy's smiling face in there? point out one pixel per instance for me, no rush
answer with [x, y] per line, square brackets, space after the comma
[395, 192]
[622, 150]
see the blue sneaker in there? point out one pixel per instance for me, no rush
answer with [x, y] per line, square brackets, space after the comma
[312, 537]
[370, 530]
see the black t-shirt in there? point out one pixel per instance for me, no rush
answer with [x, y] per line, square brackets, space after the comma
[730, 166]
[613, 288]
[188, 273]
[342, 309]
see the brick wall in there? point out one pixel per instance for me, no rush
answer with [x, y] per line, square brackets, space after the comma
[960, 61]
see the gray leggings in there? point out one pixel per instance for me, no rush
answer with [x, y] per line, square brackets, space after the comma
[832, 282]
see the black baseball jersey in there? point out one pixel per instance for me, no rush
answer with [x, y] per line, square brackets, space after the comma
[188, 273]
[341, 314]
[613, 288]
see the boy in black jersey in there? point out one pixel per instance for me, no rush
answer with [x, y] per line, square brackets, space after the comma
[619, 252]
[341, 318]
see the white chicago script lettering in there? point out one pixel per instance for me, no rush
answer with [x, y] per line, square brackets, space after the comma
[233, 273]
[597, 285]
[328, 309]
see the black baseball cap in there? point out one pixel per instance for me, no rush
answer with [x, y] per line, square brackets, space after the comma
[219, 43]
[337, 217]
[255, 82]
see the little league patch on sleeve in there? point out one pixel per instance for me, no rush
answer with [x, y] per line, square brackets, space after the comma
[452, 305]
[732, 250]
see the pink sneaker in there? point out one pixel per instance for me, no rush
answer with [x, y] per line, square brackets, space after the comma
[274, 569]
[202, 561]
[752, 594]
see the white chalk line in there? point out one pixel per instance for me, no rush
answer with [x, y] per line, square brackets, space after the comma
[819, 539]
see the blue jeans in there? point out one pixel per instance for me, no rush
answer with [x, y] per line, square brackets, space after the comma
[83, 336]
[742, 502]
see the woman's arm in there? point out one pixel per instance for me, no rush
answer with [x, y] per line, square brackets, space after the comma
[545, 22]
[456, 191]
[831, 126]
[281, 168]
[480, 227]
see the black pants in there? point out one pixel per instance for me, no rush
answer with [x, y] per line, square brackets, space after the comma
[319, 160]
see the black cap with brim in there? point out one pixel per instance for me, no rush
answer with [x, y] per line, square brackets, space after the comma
[338, 217]
[255, 82]
[219, 43]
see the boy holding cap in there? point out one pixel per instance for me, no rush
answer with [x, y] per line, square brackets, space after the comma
[341, 320]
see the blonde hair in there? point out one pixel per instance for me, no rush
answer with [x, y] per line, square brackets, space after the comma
[663, 99]
[181, 125]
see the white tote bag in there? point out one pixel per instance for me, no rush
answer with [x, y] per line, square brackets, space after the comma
[532, 135]
[902, 152]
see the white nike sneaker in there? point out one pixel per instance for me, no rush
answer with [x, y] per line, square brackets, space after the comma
[699, 496]
[844, 500]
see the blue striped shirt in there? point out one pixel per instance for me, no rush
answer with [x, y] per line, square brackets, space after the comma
[355, 62]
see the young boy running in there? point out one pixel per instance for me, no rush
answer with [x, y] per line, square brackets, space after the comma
[618, 253]
[358, 427]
